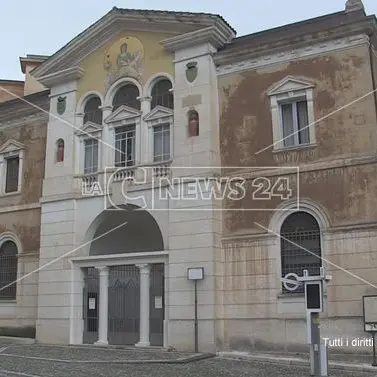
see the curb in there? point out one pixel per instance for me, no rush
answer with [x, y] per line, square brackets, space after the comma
[183, 360]
[16, 340]
[295, 361]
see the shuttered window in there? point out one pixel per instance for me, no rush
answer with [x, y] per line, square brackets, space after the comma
[12, 167]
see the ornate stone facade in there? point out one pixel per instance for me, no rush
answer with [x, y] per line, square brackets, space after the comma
[174, 96]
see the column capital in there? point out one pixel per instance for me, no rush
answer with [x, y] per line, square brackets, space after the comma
[106, 108]
[145, 99]
[103, 270]
[144, 268]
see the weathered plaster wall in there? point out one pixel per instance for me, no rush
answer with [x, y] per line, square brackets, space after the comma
[20, 214]
[33, 135]
[10, 88]
[338, 174]
[342, 187]
[340, 78]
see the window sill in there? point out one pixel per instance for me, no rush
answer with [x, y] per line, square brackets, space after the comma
[290, 295]
[6, 194]
[295, 148]
[293, 295]
[8, 301]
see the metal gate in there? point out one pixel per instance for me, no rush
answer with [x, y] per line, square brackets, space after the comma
[90, 312]
[157, 305]
[124, 305]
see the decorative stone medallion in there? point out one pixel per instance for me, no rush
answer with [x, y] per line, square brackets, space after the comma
[191, 71]
[61, 105]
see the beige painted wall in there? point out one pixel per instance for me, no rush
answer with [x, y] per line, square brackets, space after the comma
[156, 60]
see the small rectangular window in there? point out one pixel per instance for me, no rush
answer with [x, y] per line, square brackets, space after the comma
[125, 146]
[91, 156]
[161, 143]
[12, 170]
[294, 119]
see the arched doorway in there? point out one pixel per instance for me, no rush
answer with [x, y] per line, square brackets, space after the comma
[134, 296]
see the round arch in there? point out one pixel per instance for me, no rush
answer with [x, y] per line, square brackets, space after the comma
[118, 84]
[86, 97]
[304, 205]
[154, 79]
[122, 231]
[9, 236]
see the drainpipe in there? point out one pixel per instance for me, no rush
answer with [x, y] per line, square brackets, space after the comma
[374, 73]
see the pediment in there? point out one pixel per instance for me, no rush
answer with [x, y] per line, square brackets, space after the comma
[11, 146]
[123, 113]
[119, 21]
[289, 84]
[89, 128]
[158, 112]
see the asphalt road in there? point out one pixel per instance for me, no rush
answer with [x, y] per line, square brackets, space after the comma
[36, 361]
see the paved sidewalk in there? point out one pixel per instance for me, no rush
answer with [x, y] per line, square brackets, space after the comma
[54, 361]
[346, 362]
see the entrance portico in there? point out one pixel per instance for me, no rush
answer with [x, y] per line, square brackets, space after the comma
[119, 297]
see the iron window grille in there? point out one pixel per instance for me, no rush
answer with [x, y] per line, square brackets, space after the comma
[8, 270]
[300, 246]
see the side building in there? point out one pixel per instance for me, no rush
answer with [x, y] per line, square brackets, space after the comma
[23, 128]
[311, 191]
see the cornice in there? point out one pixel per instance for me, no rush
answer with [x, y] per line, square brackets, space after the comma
[288, 54]
[63, 76]
[117, 22]
[216, 36]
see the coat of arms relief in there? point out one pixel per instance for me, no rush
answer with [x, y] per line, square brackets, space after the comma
[125, 58]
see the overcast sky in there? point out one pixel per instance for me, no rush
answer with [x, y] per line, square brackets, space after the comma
[43, 26]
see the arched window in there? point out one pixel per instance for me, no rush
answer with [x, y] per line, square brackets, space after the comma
[92, 111]
[8, 270]
[300, 232]
[60, 150]
[127, 95]
[162, 94]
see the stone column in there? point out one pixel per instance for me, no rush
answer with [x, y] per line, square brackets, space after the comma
[107, 159]
[103, 305]
[145, 153]
[79, 153]
[144, 305]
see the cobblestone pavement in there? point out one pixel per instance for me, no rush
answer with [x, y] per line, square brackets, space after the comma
[42, 361]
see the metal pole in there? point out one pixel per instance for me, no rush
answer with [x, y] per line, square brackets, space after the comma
[316, 342]
[374, 350]
[196, 318]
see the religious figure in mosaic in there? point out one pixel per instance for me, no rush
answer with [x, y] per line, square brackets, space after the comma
[125, 57]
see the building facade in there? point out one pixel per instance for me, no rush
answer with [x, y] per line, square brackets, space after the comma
[23, 128]
[148, 110]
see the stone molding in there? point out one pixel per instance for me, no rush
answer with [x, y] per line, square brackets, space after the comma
[63, 76]
[290, 54]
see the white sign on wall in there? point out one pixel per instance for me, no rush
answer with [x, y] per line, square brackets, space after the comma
[370, 313]
[196, 273]
[158, 302]
[92, 303]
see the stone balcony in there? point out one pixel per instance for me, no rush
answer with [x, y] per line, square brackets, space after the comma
[142, 176]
